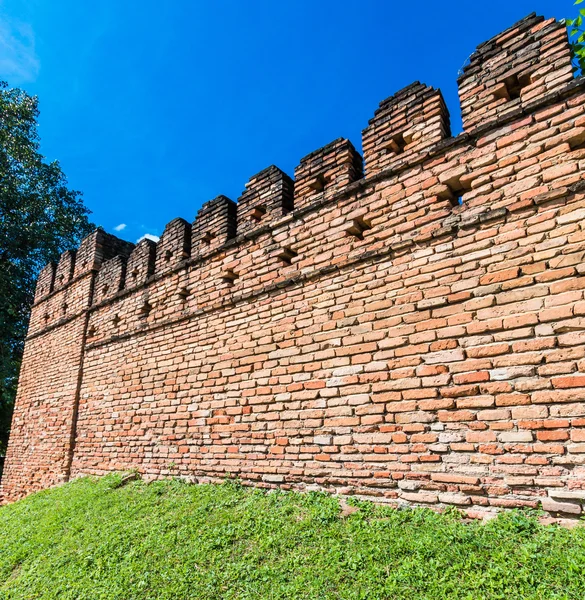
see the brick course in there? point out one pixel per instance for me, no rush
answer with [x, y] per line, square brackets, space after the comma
[415, 335]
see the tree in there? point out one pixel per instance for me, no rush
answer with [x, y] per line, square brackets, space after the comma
[39, 219]
[577, 38]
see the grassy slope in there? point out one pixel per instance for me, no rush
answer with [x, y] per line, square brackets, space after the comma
[92, 539]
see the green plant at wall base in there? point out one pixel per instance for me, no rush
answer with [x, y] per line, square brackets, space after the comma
[577, 38]
[101, 539]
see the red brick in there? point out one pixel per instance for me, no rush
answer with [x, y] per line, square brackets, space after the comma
[499, 276]
[475, 377]
[572, 381]
[549, 436]
[578, 435]
[480, 436]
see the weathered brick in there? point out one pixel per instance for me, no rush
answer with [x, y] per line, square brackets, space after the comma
[560, 507]
[344, 331]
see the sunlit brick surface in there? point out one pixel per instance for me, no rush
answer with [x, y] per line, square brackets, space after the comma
[417, 335]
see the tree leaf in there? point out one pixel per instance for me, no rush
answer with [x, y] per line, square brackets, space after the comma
[39, 218]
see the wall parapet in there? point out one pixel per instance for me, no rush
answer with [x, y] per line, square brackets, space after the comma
[416, 114]
[451, 227]
[232, 239]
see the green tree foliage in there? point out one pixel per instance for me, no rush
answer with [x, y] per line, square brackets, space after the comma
[39, 218]
[577, 37]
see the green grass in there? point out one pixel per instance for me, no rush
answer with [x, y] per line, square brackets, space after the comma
[94, 539]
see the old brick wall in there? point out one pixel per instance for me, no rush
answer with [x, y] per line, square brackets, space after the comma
[40, 437]
[414, 335]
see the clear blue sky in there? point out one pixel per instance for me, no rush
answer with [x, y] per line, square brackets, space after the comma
[153, 108]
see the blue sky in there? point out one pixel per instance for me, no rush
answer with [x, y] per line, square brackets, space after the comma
[153, 108]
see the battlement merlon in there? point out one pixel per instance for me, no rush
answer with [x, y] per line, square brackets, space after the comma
[325, 171]
[140, 265]
[214, 225]
[64, 270]
[269, 195]
[109, 279]
[45, 282]
[97, 248]
[527, 61]
[174, 246]
[405, 125]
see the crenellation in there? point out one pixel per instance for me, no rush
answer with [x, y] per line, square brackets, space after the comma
[45, 282]
[96, 248]
[64, 270]
[140, 265]
[325, 171]
[530, 59]
[415, 335]
[67, 289]
[405, 125]
[174, 246]
[269, 195]
[215, 224]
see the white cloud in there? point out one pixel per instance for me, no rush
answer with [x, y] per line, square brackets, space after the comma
[120, 227]
[19, 62]
[148, 236]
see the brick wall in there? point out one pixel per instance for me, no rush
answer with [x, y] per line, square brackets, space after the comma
[415, 335]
